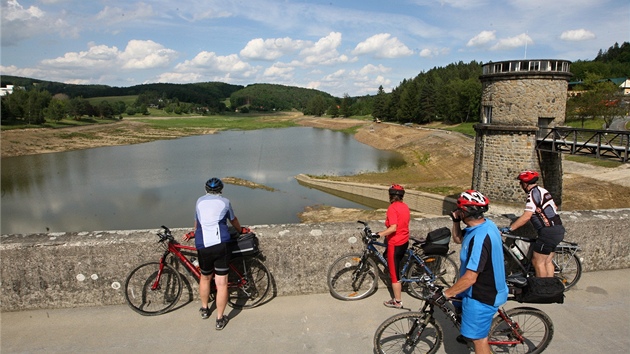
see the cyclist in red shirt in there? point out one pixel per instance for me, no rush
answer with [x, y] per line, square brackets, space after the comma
[397, 236]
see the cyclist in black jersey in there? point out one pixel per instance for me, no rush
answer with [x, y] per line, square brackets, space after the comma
[541, 210]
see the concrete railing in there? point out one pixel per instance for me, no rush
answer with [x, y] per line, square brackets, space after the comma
[58, 270]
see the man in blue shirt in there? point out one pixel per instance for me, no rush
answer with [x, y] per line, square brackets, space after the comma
[211, 236]
[481, 285]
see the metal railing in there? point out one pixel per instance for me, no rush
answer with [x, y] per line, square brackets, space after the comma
[602, 144]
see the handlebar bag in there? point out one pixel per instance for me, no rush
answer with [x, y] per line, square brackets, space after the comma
[245, 245]
[542, 291]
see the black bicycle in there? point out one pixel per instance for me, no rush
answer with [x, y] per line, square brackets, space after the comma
[355, 276]
[567, 264]
[518, 330]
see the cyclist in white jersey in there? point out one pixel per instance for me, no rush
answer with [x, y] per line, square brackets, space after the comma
[213, 211]
[541, 210]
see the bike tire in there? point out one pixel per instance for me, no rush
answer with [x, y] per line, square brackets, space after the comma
[340, 280]
[145, 301]
[534, 325]
[394, 334]
[568, 268]
[249, 284]
[444, 268]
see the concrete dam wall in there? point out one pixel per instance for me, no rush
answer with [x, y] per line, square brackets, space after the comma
[56, 270]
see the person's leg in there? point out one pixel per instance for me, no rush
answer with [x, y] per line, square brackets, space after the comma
[482, 346]
[204, 290]
[539, 263]
[222, 294]
[549, 265]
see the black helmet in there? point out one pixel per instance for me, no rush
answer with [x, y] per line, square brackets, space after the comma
[397, 189]
[214, 185]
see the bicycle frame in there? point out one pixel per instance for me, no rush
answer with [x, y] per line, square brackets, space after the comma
[175, 248]
[410, 254]
[428, 309]
[564, 246]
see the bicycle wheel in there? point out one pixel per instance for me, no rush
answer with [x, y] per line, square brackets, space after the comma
[443, 268]
[349, 278]
[143, 299]
[249, 282]
[410, 332]
[534, 325]
[567, 267]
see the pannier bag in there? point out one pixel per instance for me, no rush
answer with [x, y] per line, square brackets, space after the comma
[437, 241]
[542, 291]
[244, 245]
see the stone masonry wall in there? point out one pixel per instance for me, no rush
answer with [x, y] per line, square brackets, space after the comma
[58, 270]
[520, 102]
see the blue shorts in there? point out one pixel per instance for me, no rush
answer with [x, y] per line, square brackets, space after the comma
[476, 318]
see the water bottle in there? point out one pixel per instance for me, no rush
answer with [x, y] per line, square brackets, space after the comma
[517, 252]
[195, 262]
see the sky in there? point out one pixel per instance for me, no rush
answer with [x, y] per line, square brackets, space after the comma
[339, 47]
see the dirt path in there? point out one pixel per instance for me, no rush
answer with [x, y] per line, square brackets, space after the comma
[437, 161]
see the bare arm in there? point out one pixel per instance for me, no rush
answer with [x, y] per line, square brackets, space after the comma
[236, 224]
[390, 230]
[522, 220]
[466, 281]
[456, 231]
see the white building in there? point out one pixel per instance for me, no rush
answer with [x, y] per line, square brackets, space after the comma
[6, 90]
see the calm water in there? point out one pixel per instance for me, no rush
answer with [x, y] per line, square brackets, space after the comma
[147, 185]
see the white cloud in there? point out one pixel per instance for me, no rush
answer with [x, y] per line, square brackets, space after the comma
[481, 39]
[382, 45]
[146, 55]
[323, 52]
[271, 49]
[433, 52]
[513, 42]
[577, 35]
[135, 12]
[279, 71]
[209, 64]
[19, 23]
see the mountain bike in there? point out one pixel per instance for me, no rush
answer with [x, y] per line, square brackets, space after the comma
[354, 276]
[567, 264]
[155, 288]
[517, 330]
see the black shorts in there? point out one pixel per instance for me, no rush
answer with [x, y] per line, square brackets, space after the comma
[214, 259]
[548, 239]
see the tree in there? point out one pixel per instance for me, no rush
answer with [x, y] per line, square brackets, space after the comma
[333, 110]
[598, 98]
[379, 109]
[316, 106]
[56, 110]
[346, 104]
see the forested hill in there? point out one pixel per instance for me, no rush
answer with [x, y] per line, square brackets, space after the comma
[201, 93]
[266, 97]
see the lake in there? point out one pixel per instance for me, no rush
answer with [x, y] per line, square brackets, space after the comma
[147, 185]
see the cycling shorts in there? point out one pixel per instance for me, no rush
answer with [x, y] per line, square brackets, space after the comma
[548, 238]
[476, 318]
[214, 259]
[395, 255]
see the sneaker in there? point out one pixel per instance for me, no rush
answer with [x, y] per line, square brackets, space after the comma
[393, 303]
[205, 313]
[222, 322]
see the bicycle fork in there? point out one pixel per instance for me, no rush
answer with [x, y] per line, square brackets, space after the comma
[416, 330]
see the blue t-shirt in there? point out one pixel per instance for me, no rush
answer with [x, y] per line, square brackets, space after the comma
[482, 252]
[212, 213]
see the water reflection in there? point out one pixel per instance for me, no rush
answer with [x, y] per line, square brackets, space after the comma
[146, 185]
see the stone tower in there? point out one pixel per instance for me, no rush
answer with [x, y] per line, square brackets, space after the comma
[520, 100]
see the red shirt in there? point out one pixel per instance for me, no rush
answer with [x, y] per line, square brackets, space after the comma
[398, 214]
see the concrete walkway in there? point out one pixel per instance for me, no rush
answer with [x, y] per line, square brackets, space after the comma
[595, 318]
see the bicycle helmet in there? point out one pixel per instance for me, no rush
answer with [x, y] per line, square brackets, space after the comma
[214, 185]
[473, 202]
[528, 177]
[397, 189]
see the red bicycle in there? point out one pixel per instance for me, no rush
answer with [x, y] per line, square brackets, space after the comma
[155, 288]
[517, 330]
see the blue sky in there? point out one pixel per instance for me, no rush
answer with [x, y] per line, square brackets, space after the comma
[335, 46]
